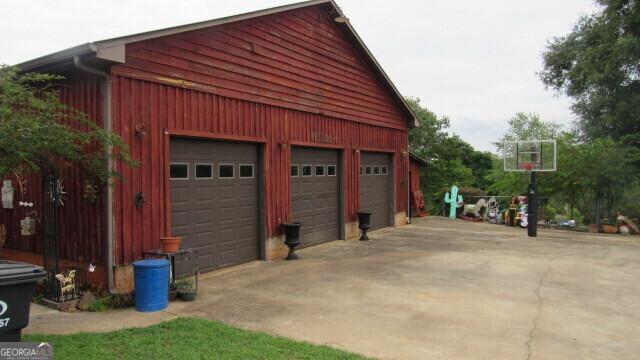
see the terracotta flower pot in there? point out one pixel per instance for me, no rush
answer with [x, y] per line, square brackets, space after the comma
[610, 229]
[170, 244]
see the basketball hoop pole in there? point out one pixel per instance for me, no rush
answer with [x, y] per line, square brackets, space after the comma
[532, 217]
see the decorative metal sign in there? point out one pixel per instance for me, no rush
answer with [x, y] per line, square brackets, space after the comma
[323, 138]
[27, 226]
[7, 194]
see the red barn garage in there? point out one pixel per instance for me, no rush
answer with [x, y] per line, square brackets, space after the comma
[239, 124]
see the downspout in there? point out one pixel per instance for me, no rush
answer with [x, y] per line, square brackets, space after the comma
[408, 186]
[108, 125]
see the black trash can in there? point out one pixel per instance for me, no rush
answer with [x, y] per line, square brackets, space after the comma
[17, 283]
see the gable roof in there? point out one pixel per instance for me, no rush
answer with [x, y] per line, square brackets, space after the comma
[113, 50]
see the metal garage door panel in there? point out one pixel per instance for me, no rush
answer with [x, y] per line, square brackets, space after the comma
[375, 189]
[315, 199]
[217, 216]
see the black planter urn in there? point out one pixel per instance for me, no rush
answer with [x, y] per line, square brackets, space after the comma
[364, 223]
[292, 238]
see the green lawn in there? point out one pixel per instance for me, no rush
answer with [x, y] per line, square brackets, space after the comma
[185, 338]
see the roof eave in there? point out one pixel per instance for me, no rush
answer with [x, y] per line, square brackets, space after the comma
[54, 58]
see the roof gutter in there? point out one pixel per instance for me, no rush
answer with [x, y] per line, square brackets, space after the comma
[108, 126]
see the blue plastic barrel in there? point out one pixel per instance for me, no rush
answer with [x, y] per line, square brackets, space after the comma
[151, 284]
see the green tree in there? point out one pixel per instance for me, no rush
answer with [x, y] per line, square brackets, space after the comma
[452, 161]
[522, 126]
[38, 130]
[598, 65]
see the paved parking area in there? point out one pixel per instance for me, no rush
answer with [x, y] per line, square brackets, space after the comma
[437, 289]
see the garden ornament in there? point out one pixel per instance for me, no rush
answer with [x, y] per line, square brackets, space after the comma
[454, 200]
[67, 283]
[27, 226]
[476, 210]
[493, 210]
[7, 194]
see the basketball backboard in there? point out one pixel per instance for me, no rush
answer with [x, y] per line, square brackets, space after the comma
[530, 155]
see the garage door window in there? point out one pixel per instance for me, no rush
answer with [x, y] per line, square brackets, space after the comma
[361, 170]
[306, 170]
[204, 171]
[246, 171]
[225, 171]
[294, 170]
[319, 170]
[367, 170]
[376, 170]
[331, 170]
[384, 170]
[179, 171]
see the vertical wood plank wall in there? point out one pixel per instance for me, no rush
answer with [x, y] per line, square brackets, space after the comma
[81, 223]
[159, 107]
[278, 78]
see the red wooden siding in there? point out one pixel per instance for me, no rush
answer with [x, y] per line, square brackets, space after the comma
[159, 107]
[81, 223]
[415, 175]
[297, 60]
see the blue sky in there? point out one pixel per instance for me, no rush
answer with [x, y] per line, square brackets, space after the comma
[474, 61]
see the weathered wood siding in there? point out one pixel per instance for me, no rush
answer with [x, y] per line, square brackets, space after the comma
[81, 223]
[279, 80]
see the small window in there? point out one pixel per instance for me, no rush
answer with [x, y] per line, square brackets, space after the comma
[376, 170]
[225, 171]
[319, 170]
[204, 171]
[331, 170]
[367, 170]
[179, 171]
[306, 170]
[383, 170]
[246, 171]
[295, 170]
[361, 170]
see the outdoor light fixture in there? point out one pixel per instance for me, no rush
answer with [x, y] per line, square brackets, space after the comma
[141, 131]
[341, 19]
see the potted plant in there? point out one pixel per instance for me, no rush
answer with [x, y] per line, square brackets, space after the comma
[364, 223]
[186, 288]
[292, 238]
[609, 227]
[173, 293]
[170, 244]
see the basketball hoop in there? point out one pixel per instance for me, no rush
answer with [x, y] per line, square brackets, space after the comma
[530, 156]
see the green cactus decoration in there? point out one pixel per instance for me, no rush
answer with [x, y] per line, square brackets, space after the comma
[451, 200]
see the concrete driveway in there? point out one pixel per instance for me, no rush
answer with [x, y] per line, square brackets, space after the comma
[437, 289]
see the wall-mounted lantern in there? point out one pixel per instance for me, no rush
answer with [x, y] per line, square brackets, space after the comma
[141, 131]
[139, 199]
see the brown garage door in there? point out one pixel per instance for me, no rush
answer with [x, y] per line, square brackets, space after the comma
[315, 194]
[375, 187]
[214, 193]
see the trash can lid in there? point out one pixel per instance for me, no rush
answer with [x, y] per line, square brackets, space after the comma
[151, 263]
[14, 272]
